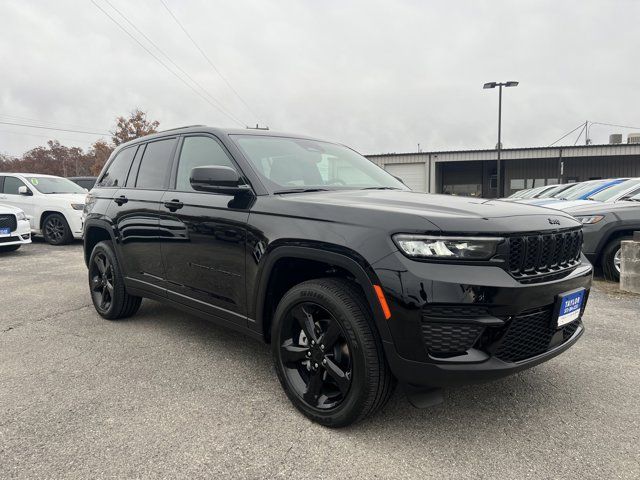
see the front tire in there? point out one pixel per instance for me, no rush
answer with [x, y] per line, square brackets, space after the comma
[611, 259]
[328, 354]
[56, 231]
[106, 284]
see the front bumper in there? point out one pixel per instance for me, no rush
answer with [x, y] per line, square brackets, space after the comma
[74, 218]
[460, 324]
[20, 236]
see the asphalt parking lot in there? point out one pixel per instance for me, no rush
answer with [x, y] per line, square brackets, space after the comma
[165, 394]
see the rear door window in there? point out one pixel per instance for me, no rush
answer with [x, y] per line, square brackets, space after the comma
[156, 164]
[118, 169]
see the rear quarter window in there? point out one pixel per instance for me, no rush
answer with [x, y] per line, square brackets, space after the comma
[118, 170]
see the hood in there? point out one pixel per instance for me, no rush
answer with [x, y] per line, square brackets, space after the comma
[445, 212]
[9, 209]
[538, 201]
[566, 204]
[601, 208]
[67, 197]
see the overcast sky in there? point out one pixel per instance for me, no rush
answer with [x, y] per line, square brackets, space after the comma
[381, 76]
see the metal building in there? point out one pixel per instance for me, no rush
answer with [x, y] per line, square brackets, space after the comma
[473, 172]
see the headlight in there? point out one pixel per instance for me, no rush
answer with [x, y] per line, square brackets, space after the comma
[590, 220]
[77, 206]
[20, 216]
[460, 248]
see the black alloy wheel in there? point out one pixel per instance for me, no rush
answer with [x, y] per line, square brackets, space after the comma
[316, 355]
[328, 353]
[56, 230]
[106, 285]
[102, 282]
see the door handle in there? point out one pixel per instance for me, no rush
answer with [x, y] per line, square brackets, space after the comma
[174, 205]
[121, 200]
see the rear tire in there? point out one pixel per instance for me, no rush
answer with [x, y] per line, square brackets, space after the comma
[106, 285]
[352, 378]
[611, 259]
[10, 248]
[55, 230]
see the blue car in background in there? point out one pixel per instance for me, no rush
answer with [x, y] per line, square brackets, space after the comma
[579, 191]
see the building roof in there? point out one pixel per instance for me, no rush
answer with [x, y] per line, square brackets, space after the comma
[615, 149]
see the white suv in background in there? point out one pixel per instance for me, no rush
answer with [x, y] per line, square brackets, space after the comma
[15, 230]
[52, 204]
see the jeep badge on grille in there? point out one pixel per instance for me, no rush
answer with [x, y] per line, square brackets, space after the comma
[554, 221]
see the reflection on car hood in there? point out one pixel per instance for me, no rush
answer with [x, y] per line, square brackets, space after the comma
[564, 205]
[446, 212]
[595, 208]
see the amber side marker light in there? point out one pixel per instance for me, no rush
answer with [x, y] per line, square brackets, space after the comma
[383, 302]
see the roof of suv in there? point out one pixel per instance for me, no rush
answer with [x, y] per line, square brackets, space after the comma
[30, 174]
[218, 131]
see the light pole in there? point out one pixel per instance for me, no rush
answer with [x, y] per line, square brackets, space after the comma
[499, 85]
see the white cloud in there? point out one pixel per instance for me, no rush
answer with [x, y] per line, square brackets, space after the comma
[380, 76]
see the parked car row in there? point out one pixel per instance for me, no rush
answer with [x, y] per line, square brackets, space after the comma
[15, 230]
[51, 205]
[609, 210]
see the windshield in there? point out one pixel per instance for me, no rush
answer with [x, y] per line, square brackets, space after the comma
[634, 196]
[532, 193]
[611, 192]
[54, 185]
[293, 164]
[580, 190]
[517, 194]
[552, 191]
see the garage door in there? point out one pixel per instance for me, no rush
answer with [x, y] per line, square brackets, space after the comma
[414, 175]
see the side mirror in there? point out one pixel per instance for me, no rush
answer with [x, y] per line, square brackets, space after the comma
[217, 179]
[23, 190]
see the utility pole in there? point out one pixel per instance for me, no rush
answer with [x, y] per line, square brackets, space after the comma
[586, 132]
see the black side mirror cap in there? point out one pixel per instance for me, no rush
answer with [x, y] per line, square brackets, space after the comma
[218, 179]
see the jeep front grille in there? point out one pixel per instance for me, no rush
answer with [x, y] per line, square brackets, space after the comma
[533, 257]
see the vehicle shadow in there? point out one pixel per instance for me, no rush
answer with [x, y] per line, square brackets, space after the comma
[490, 406]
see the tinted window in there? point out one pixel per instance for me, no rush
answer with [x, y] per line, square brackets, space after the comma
[199, 152]
[116, 174]
[11, 185]
[155, 164]
[88, 184]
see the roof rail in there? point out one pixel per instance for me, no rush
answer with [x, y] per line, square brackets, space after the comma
[180, 128]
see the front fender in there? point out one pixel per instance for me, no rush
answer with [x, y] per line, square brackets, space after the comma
[342, 257]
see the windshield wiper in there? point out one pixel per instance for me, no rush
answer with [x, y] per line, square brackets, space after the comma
[301, 190]
[381, 188]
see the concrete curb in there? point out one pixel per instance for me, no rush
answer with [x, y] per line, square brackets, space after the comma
[630, 265]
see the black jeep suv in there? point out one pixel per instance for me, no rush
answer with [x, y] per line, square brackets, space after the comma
[354, 280]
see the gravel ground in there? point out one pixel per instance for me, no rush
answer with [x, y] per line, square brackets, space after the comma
[165, 394]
